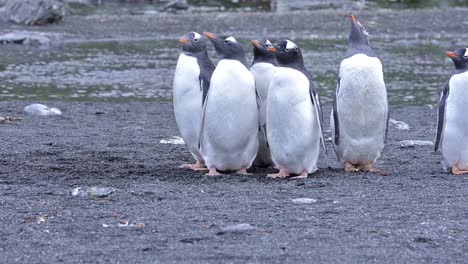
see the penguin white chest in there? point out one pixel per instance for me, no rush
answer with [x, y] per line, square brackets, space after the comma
[292, 124]
[231, 118]
[262, 73]
[187, 100]
[362, 110]
[455, 131]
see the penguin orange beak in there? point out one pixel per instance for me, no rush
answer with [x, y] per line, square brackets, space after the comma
[254, 42]
[183, 40]
[272, 49]
[353, 18]
[451, 54]
[209, 35]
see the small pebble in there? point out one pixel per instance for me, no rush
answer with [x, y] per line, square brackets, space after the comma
[236, 229]
[173, 140]
[304, 200]
[40, 109]
[412, 143]
[399, 124]
[92, 191]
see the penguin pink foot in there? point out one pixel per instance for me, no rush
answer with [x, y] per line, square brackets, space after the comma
[303, 175]
[368, 167]
[350, 167]
[243, 171]
[281, 174]
[198, 166]
[213, 172]
[457, 171]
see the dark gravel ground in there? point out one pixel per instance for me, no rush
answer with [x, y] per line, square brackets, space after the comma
[412, 212]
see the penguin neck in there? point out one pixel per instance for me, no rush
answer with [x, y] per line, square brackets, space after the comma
[459, 70]
[296, 63]
[264, 57]
[199, 54]
[357, 48]
[238, 57]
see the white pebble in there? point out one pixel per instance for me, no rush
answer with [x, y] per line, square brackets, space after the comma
[412, 143]
[399, 124]
[173, 140]
[40, 109]
[304, 200]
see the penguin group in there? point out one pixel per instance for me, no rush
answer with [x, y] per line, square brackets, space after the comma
[234, 115]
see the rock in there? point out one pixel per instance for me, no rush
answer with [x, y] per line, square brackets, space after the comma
[28, 38]
[399, 124]
[304, 200]
[236, 229]
[92, 191]
[33, 12]
[173, 140]
[283, 5]
[176, 5]
[40, 109]
[9, 119]
[412, 143]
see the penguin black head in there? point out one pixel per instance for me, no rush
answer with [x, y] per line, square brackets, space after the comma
[227, 47]
[287, 53]
[193, 42]
[261, 53]
[460, 58]
[358, 39]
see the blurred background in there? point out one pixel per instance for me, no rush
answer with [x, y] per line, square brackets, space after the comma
[126, 50]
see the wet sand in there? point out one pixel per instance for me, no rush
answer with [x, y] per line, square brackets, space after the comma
[411, 212]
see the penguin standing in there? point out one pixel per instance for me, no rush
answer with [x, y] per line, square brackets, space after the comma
[263, 67]
[293, 118]
[452, 124]
[359, 118]
[191, 83]
[229, 136]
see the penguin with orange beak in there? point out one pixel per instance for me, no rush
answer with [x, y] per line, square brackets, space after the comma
[263, 67]
[359, 117]
[293, 114]
[190, 87]
[229, 135]
[452, 124]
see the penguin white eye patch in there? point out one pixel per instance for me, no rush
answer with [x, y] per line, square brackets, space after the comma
[290, 45]
[466, 52]
[196, 35]
[268, 43]
[231, 39]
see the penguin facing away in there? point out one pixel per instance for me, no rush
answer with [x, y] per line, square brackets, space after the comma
[293, 114]
[452, 124]
[229, 135]
[263, 67]
[359, 117]
[190, 87]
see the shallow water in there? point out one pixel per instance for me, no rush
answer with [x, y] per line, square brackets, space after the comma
[142, 70]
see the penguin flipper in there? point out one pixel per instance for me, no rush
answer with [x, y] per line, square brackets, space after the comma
[441, 114]
[318, 110]
[202, 123]
[336, 120]
[206, 70]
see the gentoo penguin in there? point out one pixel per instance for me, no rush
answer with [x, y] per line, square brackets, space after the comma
[191, 84]
[359, 118]
[229, 136]
[263, 67]
[452, 124]
[293, 118]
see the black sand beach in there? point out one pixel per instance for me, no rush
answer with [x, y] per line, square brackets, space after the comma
[411, 212]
